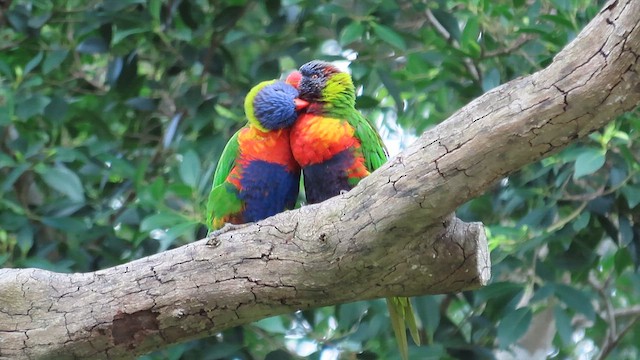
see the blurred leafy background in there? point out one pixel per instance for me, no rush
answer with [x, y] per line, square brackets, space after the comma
[113, 114]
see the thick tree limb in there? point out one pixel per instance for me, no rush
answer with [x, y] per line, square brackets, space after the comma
[298, 260]
[391, 235]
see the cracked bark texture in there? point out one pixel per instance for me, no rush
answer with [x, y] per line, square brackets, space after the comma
[391, 235]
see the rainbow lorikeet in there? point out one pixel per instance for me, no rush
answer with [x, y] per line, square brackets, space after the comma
[257, 176]
[336, 148]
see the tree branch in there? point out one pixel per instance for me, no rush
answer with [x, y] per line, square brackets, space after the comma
[391, 235]
[631, 311]
[276, 266]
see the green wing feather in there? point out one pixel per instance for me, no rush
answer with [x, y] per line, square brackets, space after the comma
[373, 149]
[223, 199]
[402, 317]
[227, 160]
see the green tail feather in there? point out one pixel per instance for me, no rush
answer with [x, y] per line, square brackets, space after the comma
[402, 317]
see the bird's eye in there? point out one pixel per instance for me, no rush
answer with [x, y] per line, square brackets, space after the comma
[314, 76]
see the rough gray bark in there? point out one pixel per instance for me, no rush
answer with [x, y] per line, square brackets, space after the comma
[298, 260]
[391, 235]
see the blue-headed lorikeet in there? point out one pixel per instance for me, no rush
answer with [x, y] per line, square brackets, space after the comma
[257, 176]
[336, 148]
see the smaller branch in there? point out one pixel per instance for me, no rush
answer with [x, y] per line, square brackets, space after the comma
[517, 44]
[438, 26]
[608, 346]
[11, 45]
[627, 312]
[440, 29]
[610, 316]
[613, 336]
[600, 191]
[564, 221]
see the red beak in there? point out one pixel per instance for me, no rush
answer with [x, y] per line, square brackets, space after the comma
[300, 104]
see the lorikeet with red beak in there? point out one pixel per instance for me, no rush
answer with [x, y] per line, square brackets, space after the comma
[257, 176]
[336, 148]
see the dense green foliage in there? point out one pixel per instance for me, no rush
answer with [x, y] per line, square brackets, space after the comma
[113, 115]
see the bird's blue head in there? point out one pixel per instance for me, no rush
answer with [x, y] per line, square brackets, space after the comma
[273, 105]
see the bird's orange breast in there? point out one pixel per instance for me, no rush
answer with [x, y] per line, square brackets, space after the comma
[271, 146]
[315, 139]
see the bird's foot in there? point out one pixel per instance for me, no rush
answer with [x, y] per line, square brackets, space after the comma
[212, 238]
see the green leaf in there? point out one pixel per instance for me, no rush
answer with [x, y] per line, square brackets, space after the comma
[589, 161]
[273, 325]
[225, 112]
[36, 22]
[469, 39]
[119, 5]
[389, 36]
[351, 33]
[563, 326]
[53, 59]
[559, 19]
[228, 16]
[223, 350]
[393, 89]
[66, 224]
[542, 293]
[632, 194]
[25, 239]
[167, 238]
[498, 290]
[622, 259]
[7, 105]
[366, 102]
[519, 3]
[142, 103]
[93, 45]
[576, 300]
[120, 35]
[582, 221]
[513, 326]
[31, 106]
[154, 192]
[350, 314]
[278, 355]
[64, 181]
[33, 63]
[491, 79]
[428, 310]
[4, 258]
[161, 220]
[369, 329]
[626, 231]
[6, 160]
[11, 178]
[57, 109]
[190, 168]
